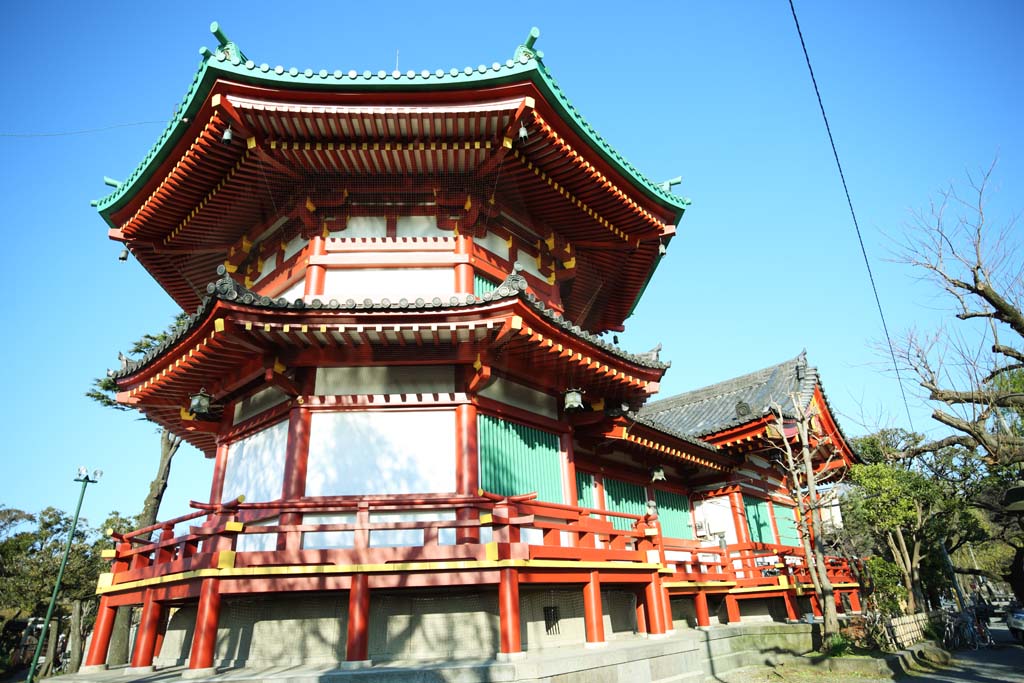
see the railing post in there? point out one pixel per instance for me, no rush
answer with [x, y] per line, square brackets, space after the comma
[593, 616]
[508, 615]
[357, 642]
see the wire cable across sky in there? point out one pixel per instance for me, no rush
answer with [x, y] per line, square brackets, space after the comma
[853, 214]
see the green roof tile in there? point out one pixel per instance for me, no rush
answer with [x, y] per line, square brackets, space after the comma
[229, 62]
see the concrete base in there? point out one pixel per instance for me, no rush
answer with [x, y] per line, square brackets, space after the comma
[595, 646]
[657, 636]
[189, 674]
[510, 656]
[356, 664]
[93, 668]
[139, 670]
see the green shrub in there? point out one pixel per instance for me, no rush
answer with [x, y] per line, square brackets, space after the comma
[837, 645]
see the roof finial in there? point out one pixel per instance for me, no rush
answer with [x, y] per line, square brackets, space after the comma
[670, 183]
[225, 45]
[526, 49]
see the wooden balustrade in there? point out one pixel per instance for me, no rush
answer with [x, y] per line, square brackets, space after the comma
[515, 528]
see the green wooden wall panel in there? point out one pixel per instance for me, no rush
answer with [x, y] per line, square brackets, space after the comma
[482, 285]
[785, 519]
[758, 520]
[586, 491]
[621, 496]
[516, 459]
[674, 514]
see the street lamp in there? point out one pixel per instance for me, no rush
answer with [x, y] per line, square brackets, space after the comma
[83, 477]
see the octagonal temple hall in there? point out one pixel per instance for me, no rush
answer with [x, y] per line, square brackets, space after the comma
[402, 287]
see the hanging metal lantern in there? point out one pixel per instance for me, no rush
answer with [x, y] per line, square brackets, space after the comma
[573, 400]
[199, 403]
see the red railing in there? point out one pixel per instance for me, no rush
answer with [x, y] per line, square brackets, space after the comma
[389, 529]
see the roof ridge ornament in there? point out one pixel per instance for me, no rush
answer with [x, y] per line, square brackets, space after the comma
[226, 46]
[526, 49]
[514, 283]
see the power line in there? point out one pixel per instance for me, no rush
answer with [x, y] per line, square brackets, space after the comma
[84, 131]
[853, 214]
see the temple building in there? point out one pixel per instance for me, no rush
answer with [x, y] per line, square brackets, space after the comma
[401, 289]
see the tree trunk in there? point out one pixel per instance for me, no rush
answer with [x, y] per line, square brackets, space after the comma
[51, 649]
[75, 641]
[121, 635]
[826, 595]
[907, 569]
[1016, 576]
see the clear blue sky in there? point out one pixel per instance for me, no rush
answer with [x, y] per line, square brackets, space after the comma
[765, 263]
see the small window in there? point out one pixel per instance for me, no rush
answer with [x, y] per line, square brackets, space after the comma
[551, 617]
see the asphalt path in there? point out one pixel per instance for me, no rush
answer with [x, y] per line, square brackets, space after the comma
[1001, 662]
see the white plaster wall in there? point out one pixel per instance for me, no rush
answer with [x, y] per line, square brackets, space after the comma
[422, 379]
[419, 226]
[494, 244]
[295, 291]
[269, 266]
[515, 394]
[390, 283]
[264, 399]
[255, 465]
[363, 226]
[392, 451]
[717, 515]
[294, 246]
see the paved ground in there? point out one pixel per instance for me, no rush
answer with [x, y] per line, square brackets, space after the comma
[1003, 662]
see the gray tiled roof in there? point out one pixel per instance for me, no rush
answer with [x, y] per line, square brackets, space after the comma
[514, 286]
[735, 401]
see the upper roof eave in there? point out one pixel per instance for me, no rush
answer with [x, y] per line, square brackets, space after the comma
[513, 288]
[218, 65]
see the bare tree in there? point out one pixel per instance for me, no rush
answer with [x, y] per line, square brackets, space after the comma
[802, 456]
[967, 371]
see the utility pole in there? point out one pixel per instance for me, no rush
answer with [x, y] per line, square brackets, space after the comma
[83, 477]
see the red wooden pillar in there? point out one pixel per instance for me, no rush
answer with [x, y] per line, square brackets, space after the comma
[732, 609]
[105, 615]
[641, 614]
[700, 606]
[508, 612]
[815, 607]
[220, 466]
[666, 607]
[593, 616]
[467, 468]
[315, 273]
[204, 639]
[357, 643]
[855, 601]
[838, 596]
[463, 271]
[653, 608]
[295, 466]
[161, 631]
[739, 516]
[145, 637]
[790, 601]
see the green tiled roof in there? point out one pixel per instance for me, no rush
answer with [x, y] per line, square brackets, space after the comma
[228, 62]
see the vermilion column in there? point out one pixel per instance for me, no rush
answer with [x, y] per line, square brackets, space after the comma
[652, 606]
[732, 609]
[149, 628]
[641, 615]
[315, 273]
[467, 468]
[105, 615]
[593, 616]
[790, 601]
[295, 466]
[815, 607]
[463, 271]
[357, 643]
[666, 607]
[204, 640]
[700, 606]
[855, 601]
[219, 468]
[508, 612]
